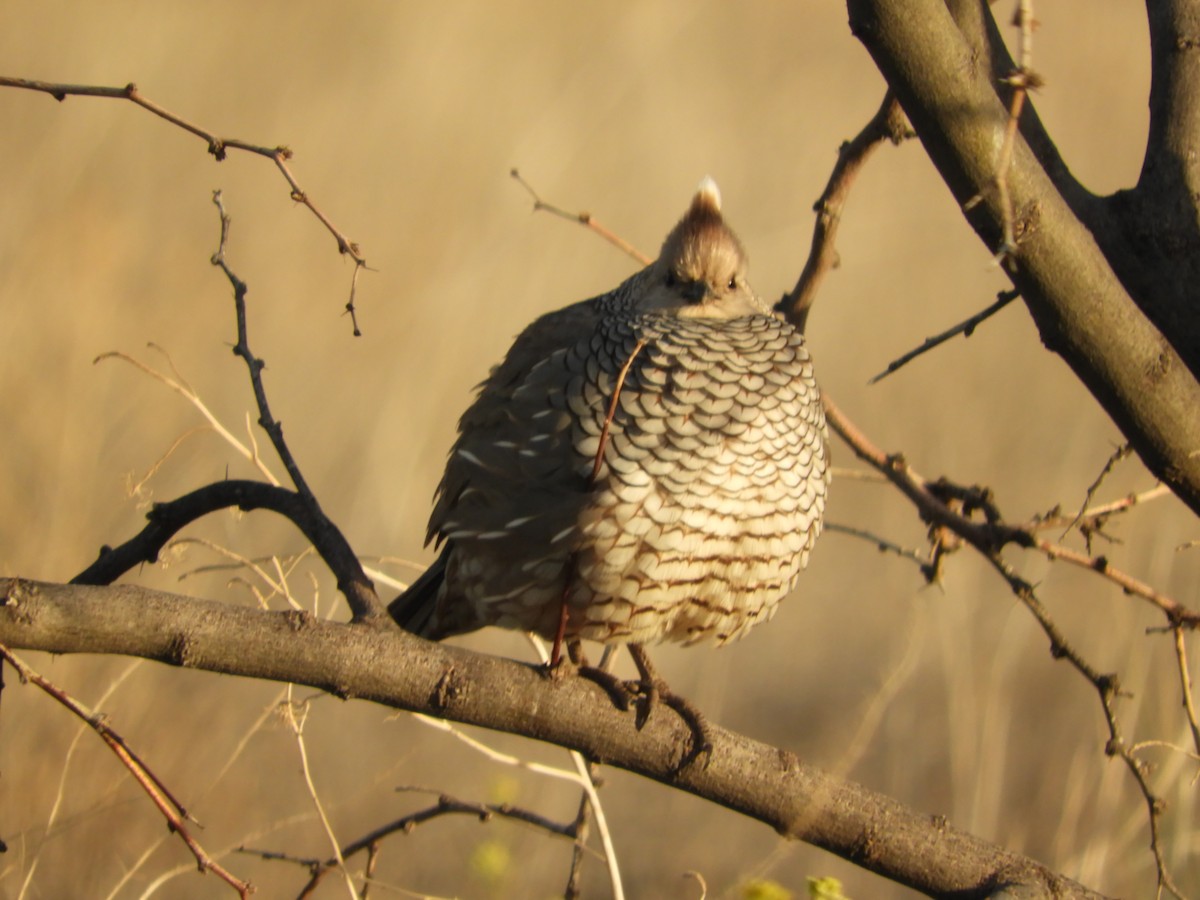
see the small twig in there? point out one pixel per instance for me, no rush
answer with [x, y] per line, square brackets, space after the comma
[882, 544]
[583, 218]
[297, 715]
[1185, 686]
[371, 842]
[135, 487]
[55, 807]
[1093, 516]
[966, 328]
[161, 796]
[1166, 745]
[1176, 612]
[598, 461]
[1022, 80]
[1119, 454]
[217, 147]
[888, 123]
[990, 538]
[580, 828]
[278, 587]
[266, 420]
[352, 581]
[185, 390]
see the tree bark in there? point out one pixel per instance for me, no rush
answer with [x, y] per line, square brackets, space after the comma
[1084, 281]
[396, 669]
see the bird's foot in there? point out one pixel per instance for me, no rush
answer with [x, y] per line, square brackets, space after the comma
[564, 665]
[600, 675]
[574, 662]
[652, 691]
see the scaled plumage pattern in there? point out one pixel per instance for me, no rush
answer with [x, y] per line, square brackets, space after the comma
[689, 516]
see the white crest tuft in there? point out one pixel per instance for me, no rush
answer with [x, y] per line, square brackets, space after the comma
[708, 188]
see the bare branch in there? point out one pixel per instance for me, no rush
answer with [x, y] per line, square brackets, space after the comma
[993, 535]
[372, 841]
[217, 146]
[586, 219]
[352, 581]
[883, 545]
[1108, 689]
[1119, 454]
[1022, 80]
[990, 538]
[758, 780]
[888, 123]
[1080, 305]
[171, 809]
[966, 328]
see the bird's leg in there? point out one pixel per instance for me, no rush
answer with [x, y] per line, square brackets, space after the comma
[654, 691]
[561, 634]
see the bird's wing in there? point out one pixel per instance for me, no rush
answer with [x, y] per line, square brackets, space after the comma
[513, 451]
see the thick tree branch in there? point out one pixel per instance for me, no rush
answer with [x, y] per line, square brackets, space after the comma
[399, 670]
[989, 53]
[1174, 135]
[1151, 233]
[168, 519]
[1080, 306]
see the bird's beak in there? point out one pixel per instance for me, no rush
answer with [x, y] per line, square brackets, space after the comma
[694, 291]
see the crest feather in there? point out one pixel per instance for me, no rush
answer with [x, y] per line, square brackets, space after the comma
[701, 236]
[708, 194]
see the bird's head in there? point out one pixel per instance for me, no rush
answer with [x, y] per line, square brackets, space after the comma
[702, 268]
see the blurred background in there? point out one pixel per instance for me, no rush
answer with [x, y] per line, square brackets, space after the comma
[406, 119]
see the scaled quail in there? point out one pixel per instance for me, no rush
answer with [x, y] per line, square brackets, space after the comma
[682, 510]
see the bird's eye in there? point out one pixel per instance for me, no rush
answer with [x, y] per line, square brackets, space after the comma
[732, 283]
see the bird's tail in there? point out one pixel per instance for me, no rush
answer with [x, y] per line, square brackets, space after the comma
[415, 609]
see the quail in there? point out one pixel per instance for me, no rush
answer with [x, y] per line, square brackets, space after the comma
[649, 465]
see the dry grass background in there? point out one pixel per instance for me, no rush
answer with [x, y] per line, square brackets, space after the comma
[406, 118]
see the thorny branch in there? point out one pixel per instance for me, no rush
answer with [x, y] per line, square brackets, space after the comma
[990, 538]
[445, 805]
[966, 328]
[1119, 454]
[160, 795]
[948, 508]
[888, 123]
[255, 365]
[352, 581]
[937, 501]
[1022, 80]
[992, 535]
[217, 147]
[1108, 689]
[585, 219]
